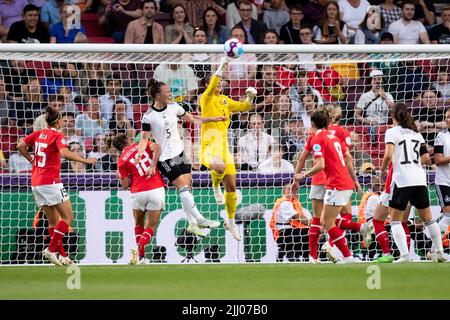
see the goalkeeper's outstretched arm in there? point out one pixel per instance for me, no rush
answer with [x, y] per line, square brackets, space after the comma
[215, 79]
[246, 105]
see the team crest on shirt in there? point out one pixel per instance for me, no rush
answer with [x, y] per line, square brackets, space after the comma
[225, 102]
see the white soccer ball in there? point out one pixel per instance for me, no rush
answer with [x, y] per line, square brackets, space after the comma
[233, 48]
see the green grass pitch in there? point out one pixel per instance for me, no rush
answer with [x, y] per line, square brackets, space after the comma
[228, 281]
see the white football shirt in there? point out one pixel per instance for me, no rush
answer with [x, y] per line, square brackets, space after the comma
[408, 170]
[163, 125]
[442, 145]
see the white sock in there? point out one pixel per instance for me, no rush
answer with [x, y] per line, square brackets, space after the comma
[189, 206]
[445, 222]
[435, 234]
[399, 235]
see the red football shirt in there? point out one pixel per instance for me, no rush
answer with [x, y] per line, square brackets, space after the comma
[139, 180]
[327, 146]
[342, 133]
[319, 178]
[387, 186]
[47, 144]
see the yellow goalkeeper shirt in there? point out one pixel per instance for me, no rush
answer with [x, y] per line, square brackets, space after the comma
[214, 134]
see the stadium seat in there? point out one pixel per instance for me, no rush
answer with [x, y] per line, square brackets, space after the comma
[90, 23]
[9, 137]
[39, 66]
[100, 40]
[138, 112]
[163, 18]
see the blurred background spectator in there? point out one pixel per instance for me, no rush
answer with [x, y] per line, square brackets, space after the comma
[253, 28]
[51, 12]
[352, 14]
[330, 29]
[195, 10]
[390, 12]
[59, 75]
[442, 85]
[290, 31]
[441, 33]
[275, 163]
[406, 30]
[65, 31]
[118, 14]
[89, 124]
[180, 31]
[74, 166]
[145, 29]
[276, 15]
[11, 11]
[370, 33]
[233, 17]
[69, 130]
[113, 93]
[18, 163]
[181, 80]
[5, 105]
[119, 123]
[28, 30]
[216, 32]
[293, 138]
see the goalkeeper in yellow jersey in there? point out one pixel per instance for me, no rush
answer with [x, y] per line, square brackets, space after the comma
[214, 152]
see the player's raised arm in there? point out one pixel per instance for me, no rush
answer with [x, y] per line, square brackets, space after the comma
[246, 105]
[215, 79]
[143, 142]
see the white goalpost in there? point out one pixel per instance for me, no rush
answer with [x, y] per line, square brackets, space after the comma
[101, 90]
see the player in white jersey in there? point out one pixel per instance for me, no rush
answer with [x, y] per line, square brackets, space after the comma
[162, 120]
[442, 180]
[404, 147]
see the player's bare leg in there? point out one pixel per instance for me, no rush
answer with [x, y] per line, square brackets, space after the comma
[435, 234]
[328, 221]
[218, 168]
[229, 182]
[196, 220]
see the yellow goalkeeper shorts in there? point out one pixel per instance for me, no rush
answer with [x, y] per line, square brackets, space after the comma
[209, 153]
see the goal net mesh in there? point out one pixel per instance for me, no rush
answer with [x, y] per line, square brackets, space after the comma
[104, 94]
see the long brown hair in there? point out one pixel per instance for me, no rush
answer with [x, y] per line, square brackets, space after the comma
[402, 115]
[324, 20]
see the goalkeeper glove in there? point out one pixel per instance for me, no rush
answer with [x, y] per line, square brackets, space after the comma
[251, 94]
[223, 65]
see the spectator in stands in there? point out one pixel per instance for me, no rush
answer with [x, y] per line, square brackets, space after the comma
[119, 123]
[289, 224]
[275, 163]
[17, 75]
[270, 37]
[69, 99]
[55, 101]
[33, 104]
[254, 147]
[306, 37]
[104, 152]
[113, 93]
[10, 11]
[440, 34]
[216, 32]
[280, 112]
[29, 30]
[118, 14]
[390, 12]
[328, 82]
[200, 70]
[68, 128]
[302, 87]
[429, 116]
[56, 77]
[290, 32]
[370, 33]
[18, 163]
[406, 80]
[425, 12]
[373, 106]
[309, 102]
[267, 88]
[92, 79]
[233, 16]
[330, 29]
[145, 29]
[74, 166]
[195, 10]
[406, 30]
[315, 10]
[352, 14]
[293, 138]
[442, 85]
[51, 12]
[275, 16]
[181, 80]
[5, 105]
[254, 29]
[180, 32]
[357, 150]
[65, 30]
[90, 123]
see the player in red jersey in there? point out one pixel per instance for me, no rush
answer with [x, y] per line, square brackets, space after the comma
[318, 189]
[49, 145]
[329, 155]
[147, 190]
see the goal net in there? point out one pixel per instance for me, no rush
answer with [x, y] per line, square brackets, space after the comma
[102, 92]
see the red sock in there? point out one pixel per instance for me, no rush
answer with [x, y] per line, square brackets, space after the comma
[337, 236]
[408, 233]
[61, 229]
[138, 230]
[313, 236]
[145, 238]
[347, 216]
[345, 224]
[381, 236]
